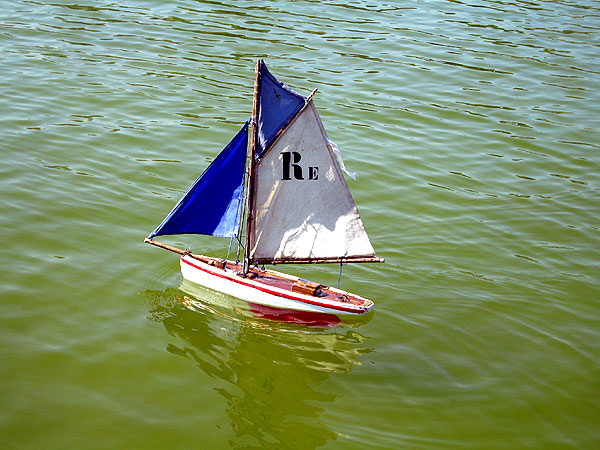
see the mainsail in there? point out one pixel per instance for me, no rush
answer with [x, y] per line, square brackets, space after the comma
[212, 205]
[303, 209]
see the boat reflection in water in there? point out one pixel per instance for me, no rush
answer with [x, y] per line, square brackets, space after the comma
[268, 371]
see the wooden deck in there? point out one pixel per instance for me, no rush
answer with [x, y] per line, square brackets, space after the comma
[283, 281]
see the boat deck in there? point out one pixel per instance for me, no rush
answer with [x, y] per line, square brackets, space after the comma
[282, 281]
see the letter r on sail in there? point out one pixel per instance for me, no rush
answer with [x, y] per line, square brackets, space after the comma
[290, 162]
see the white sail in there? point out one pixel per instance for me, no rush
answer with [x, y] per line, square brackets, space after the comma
[303, 207]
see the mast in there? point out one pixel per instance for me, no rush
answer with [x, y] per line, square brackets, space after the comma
[252, 157]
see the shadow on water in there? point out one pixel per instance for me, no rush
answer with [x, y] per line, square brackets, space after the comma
[272, 370]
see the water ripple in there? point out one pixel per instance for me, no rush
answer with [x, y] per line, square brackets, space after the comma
[473, 127]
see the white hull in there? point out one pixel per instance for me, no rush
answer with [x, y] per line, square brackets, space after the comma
[253, 291]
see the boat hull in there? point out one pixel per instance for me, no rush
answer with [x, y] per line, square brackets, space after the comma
[269, 288]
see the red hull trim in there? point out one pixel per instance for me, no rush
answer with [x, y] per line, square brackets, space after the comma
[272, 292]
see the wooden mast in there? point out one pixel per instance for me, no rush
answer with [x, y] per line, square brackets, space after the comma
[252, 156]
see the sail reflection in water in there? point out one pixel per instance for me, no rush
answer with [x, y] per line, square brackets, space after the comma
[272, 370]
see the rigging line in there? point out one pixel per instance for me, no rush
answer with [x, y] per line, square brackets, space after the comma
[340, 276]
[231, 244]
[236, 239]
[239, 248]
[241, 235]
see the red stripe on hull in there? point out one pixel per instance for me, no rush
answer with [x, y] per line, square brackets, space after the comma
[275, 293]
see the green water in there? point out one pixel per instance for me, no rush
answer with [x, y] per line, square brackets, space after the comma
[473, 127]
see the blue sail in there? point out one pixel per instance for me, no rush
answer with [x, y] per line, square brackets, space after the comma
[277, 104]
[211, 205]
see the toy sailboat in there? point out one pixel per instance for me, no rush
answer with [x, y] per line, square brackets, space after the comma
[278, 191]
